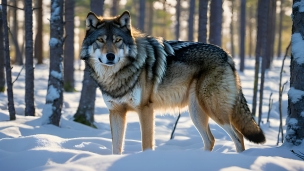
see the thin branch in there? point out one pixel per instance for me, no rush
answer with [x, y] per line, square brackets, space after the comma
[18, 75]
[269, 106]
[172, 133]
[12, 6]
[298, 155]
[35, 8]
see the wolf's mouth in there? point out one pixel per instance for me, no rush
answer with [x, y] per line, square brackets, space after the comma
[99, 60]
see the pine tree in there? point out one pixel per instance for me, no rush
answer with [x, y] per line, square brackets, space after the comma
[8, 69]
[69, 46]
[29, 68]
[54, 99]
[295, 119]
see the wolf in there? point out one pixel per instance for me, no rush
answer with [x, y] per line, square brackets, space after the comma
[147, 75]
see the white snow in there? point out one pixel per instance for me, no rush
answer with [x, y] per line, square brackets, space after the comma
[26, 144]
[53, 42]
[300, 5]
[295, 95]
[56, 75]
[52, 93]
[292, 121]
[297, 47]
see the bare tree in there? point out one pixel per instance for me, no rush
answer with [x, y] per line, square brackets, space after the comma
[177, 14]
[29, 69]
[261, 29]
[295, 119]
[202, 21]
[85, 110]
[69, 46]
[149, 14]
[250, 29]
[54, 98]
[280, 29]
[191, 20]
[114, 7]
[242, 35]
[39, 35]
[232, 29]
[141, 17]
[14, 36]
[8, 69]
[271, 30]
[265, 12]
[215, 36]
[2, 59]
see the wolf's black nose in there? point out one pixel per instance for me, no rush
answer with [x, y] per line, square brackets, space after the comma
[110, 56]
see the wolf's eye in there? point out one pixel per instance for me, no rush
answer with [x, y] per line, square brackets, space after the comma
[117, 40]
[101, 40]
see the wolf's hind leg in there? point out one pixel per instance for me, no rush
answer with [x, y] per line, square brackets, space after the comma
[236, 137]
[200, 120]
[118, 129]
[146, 119]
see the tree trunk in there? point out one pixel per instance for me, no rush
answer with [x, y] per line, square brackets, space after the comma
[69, 56]
[191, 20]
[260, 29]
[39, 35]
[279, 52]
[141, 17]
[114, 7]
[231, 28]
[54, 98]
[270, 33]
[295, 119]
[85, 110]
[215, 34]
[18, 54]
[250, 25]
[10, 94]
[265, 9]
[178, 13]
[2, 57]
[150, 18]
[202, 21]
[29, 69]
[242, 35]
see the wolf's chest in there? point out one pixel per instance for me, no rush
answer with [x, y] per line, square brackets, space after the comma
[132, 98]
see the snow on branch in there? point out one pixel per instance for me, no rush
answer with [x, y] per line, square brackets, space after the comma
[295, 95]
[300, 5]
[297, 47]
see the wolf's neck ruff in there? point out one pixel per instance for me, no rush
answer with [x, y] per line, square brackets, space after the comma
[150, 54]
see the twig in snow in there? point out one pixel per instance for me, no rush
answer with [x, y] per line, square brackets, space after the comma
[269, 106]
[298, 155]
[172, 133]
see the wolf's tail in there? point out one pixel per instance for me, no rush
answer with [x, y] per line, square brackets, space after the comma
[243, 121]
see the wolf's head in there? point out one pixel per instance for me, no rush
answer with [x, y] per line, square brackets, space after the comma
[108, 40]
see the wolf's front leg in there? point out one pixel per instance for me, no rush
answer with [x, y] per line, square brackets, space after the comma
[146, 119]
[118, 129]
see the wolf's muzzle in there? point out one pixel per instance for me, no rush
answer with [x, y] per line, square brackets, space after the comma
[110, 56]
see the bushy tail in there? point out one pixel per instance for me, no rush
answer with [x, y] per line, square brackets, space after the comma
[243, 121]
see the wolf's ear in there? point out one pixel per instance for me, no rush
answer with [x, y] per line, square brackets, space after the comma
[125, 20]
[91, 20]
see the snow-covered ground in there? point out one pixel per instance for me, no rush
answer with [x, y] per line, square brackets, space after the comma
[25, 144]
